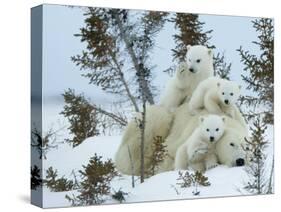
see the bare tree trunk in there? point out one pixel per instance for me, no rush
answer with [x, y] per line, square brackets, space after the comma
[270, 187]
[132, 54]
[142, 142]
[132, 167]
[120, 73]
[76, 183]
[259, 177]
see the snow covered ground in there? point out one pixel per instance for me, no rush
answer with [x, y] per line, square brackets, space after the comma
[224, 181]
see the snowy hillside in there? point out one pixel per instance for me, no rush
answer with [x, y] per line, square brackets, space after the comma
[224, 181]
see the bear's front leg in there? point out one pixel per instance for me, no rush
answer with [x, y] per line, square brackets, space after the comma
[199, 153]
[211, 161]
[196, 102]
[171, 98]
[182, 68]
[211, 104]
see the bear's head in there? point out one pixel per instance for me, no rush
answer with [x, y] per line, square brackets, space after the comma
[229, 149]
[199, 58]
[228, 92]
[211, 127]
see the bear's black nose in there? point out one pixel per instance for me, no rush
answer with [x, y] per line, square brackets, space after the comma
[240, 162]
[212, 138]
[191, 70]
[226, 101]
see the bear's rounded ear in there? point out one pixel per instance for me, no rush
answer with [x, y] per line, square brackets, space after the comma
[201, 118]
[210, 52]
[188, 47]
[218, 84]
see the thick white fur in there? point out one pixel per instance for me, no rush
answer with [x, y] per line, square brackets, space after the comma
[183, 126]
[198, 151]
[212, 93]
[176, 131]
[177, 88]
[187, 77]
[158, 122]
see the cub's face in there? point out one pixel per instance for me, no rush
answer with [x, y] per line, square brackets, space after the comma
[198, 58]
[212, 127]
[228, 92]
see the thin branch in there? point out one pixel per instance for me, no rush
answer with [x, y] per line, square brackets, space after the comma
[270, 186]
[116, 118]
[132, 167]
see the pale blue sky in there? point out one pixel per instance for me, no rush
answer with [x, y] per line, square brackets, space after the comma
[59, 44]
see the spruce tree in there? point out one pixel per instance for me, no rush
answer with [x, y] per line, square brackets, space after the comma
[190, 33]
[256, 153]
[55, 183]
[159, 153]
[222, 69]
[187, 179]
[117, 58]
[95, 185]
[82, 117]
[259, 72]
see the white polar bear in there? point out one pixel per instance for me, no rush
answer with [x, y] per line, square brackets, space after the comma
[185, 123]
[175, 129]
[198, 151]
[198, 66]
[158, 123]
[217, 96]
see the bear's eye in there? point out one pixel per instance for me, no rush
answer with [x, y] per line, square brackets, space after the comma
[217, 129]
[207, 130]
[222, 93]
[198, 61]
[231, 94]
[231, 144]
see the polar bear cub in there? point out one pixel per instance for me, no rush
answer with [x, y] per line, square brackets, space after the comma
[198, 151]
[197, 67]
[216, 95]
